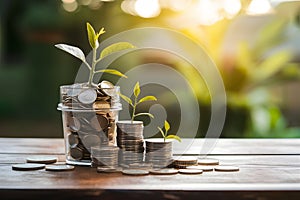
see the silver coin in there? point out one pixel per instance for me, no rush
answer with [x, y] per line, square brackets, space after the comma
[41, 159]
[73, 124]
[208, 161]
[73, 139]
[190, 171]
[87, 96]
[107, 88]
[76, 153]
[59, 168]
[204, 168]
[90, 140]
[135, 172]
[164, 171]
[227, 168]
[28, 166]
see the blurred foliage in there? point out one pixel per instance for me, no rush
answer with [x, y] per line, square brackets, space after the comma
[32, 69]
[249, 77]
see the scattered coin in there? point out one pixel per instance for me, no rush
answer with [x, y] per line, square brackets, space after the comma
[190, 171]
[135, 172]
[59, 167]
[204, 168]
[28, 166]
[42, 159]
[208, 161]
[227, 168]
[164, 171]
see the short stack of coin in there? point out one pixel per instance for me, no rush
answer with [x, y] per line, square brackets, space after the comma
[184, 162]
[106, 156]
[130, 139]
[159, 152]
[89, 115]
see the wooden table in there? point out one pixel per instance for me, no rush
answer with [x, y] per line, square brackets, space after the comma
[269, 169]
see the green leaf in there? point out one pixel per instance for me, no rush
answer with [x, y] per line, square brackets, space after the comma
[271, 65]
[115, 48]
[167, 126]
[111, 71]
[137, 89]
[174, 137]
[147, 98]
[161, 131]
[128, 100]
[102, 31]
[93, 38]
[75, 51]
[148, 114]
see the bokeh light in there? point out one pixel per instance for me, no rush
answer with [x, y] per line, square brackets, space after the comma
[259, 7]
[147, 9]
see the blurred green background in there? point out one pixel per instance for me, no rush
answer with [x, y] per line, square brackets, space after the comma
[254, 43]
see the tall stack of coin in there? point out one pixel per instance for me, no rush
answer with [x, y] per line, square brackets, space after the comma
[105, 156]
[159, 152]
[130, 139]
[89, 119]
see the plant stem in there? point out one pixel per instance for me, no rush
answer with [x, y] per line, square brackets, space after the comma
[92, 71]
[133, 111]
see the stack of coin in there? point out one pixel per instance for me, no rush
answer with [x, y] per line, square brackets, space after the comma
[159, 152]
[89, 118]
[130, 139]
[184, 162]
[105, 156]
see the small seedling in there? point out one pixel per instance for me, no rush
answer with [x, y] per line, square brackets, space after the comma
[93, 38]
[136, 101]
[165, 134]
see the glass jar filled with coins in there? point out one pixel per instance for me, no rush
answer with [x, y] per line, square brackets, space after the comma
[89, 117]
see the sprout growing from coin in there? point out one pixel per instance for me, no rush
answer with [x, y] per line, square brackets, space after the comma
[93, 38]
[165, 134]
[137, 101]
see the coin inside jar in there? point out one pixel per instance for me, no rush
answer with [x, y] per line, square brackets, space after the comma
[87, 96]
[106, 87]
[103, 122]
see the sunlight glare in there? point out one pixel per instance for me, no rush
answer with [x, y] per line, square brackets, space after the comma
[259, 7]
[147, 9]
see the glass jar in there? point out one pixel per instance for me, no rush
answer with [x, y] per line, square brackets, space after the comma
[89, 116]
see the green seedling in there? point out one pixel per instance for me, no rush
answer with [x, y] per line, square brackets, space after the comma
[93, 38]
[165, 134]
[137, 101]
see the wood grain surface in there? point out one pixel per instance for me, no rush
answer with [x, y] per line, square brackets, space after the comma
[269, 169]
